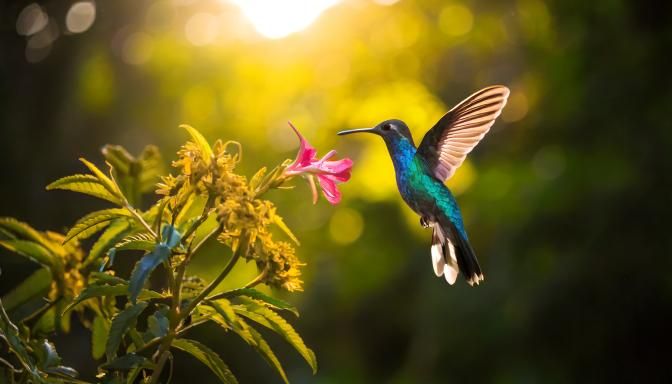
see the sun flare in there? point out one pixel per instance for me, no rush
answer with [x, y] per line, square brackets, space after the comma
[276, 19]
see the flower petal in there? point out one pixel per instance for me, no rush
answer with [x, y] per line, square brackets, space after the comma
[307, 154]
[313, 188]
[329, 189]
[337, 166]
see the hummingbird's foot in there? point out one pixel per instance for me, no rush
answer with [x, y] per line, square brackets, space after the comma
[424, 221]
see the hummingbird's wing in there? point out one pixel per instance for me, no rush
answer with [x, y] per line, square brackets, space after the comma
[447, 144]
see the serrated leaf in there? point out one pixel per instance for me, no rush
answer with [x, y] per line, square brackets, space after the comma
[158, 324]
[254, 294]
[152, 168]
[67, 374]
[46, 354]
[127, 362]
[170, 236]
[257, 312]
[99, 332]
[23, 231]
[138, 242]
[111, 236]
[121, 322]
[29, 249]
[110, 290]
[94, 222]
[208, 357]
[144, 267]
[36, 285]
[281, 224]
[102, 278]
[86, 184]
[226, 317]
[229, 320]
[104, 180]
[20, 229]
[265, 350]
[118, 157]
[200, 142]
[10, 333]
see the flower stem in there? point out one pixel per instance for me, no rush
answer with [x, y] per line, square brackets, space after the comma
[142, 221]
[242, 247]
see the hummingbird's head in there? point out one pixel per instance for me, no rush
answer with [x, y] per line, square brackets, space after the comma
[390, 130]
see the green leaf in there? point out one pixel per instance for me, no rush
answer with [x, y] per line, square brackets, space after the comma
[158, 324]
[127, 362]
[138, 242]
[281, 224]
[200, 142]
[255, 181]
[23, 231]
[257, 312]
[66, 374]
[20, 229]
[99, 332]
[102, 278]
[121, 322]
[29, 249]
[10, 333]
[170, 236]
[104, 180]
[254, 294]
[86, 184]
[94, 222]
[208, 357]
[144, 267]
[110, 290]
[118, 157]
[265, 350]
[111, 236]
[152, 168]
[227, 318]
[46, 354]
[36, 285]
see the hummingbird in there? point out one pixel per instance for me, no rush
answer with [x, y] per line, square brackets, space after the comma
[421, 173]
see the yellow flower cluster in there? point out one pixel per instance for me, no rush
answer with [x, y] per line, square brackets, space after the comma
[73, 281]
[281, 264]
[239, 210]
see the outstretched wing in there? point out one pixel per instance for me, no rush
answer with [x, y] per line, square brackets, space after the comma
[447, 144]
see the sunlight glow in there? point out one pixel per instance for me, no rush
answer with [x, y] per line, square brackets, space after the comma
[276, 19]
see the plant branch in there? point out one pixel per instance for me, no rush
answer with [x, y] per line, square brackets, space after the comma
[139, 218]
[257, 280]
[242, 247]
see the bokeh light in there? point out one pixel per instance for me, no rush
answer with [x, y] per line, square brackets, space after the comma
[456, 20]
[201, 29]
[80, 16]
[31, 20]
[346, 226]
[278, 19]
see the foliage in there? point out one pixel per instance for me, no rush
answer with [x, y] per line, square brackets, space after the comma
[135, 323]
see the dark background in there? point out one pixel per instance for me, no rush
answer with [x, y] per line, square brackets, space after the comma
[567, 201]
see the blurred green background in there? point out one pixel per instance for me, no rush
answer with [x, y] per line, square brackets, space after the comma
[567, 201]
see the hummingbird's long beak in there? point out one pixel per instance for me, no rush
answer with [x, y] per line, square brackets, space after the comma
[349, 131]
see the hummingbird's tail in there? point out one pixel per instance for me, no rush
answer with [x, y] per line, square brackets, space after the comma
[452, 253]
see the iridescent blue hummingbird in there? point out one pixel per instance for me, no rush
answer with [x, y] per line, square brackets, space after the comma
[422, 171]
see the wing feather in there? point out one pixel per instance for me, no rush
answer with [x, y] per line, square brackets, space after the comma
[447, 144]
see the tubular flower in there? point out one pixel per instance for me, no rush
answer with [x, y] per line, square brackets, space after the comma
[328, 172]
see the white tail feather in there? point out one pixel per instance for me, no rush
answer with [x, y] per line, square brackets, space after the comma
[444, 264]
[451, 270]
[437, 260]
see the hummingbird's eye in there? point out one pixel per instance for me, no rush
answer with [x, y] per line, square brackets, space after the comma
[387, 127]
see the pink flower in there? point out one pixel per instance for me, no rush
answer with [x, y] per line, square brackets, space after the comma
[328, 173]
